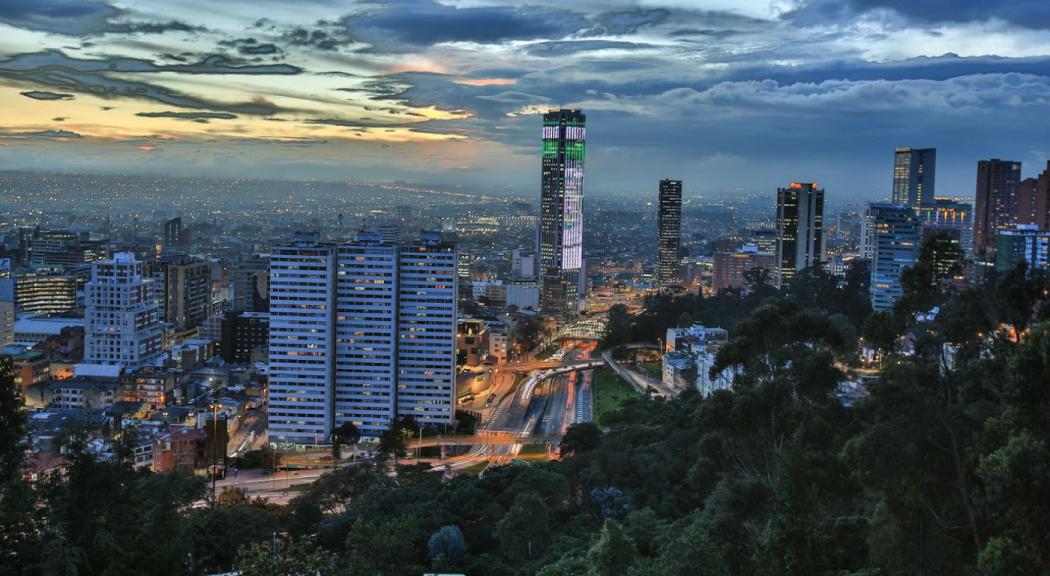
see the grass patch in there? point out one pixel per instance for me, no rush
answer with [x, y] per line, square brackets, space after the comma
[533, 453]
[610, 392]
[654, 370]
[475, 469]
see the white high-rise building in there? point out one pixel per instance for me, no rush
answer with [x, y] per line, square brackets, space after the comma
[426, 356]
[361, 332]
[123, 320]
[7, 304]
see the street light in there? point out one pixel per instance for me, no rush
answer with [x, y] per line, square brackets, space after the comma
[214, 445]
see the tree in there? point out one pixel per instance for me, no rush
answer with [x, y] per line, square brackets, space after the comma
[384, 547]
[392, 442]
[12, 422]
[281, 558]
[1017, 292]
[880, 331]
[617, 327]
[525, 528]
[613, 553]
[233, 496]
[580, 437]
[345, 433]
[446, 547]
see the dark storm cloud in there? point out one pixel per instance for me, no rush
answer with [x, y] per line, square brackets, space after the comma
[250, 46]
[62, 16]
[80, 18]
[200, 117]
[44, 95]
[327, 37]
[1034, 14]
[49, 134]
[425, 23]
[152, 27]
[96, 77]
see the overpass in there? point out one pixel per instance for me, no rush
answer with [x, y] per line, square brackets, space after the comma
[530, 365]
[482, 439]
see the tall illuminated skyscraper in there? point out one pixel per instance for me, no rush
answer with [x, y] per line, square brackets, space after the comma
[669, 230]
[561, 219]
[914, 172]
[800, 230]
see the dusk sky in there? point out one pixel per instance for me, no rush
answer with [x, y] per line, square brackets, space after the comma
[723, 94]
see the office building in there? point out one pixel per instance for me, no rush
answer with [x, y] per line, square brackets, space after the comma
[669, 234]
[361, 332]
[7, 323]
[123, 317]
[173, 233]
[561, 218]
[182, 288]
[800, 230]
[7, 308]
[896, 247]
[251, 283]
[61, 247]
[46, 290]
[523, 294]
[1033, 200]
[241, 333]
[950, 217]
[914, 173]
[731, 267]
[1023, 242]
[522, 263]
[996, 204]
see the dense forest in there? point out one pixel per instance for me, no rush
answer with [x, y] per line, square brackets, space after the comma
[944, 469]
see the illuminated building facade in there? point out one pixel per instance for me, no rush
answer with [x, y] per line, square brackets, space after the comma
[951, 217]
[361, 332]
[914, 172]
[561, 219]
[123, 318]
[897, 234]
[669, 230]
[996, 203]
[800, 230]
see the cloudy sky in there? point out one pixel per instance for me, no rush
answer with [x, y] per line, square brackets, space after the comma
[725, 94]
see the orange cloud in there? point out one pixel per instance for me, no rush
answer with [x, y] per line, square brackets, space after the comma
[146, 148]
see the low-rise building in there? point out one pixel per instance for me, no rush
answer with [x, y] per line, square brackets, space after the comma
[180, 448]
[689, 355]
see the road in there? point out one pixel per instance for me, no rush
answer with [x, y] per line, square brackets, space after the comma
[250, 435]
[544, 404]
[641, 383]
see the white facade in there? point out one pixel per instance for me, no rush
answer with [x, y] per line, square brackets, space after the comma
[366, 345]
[427, 287]
[522, 264]
[523, 294]
[7, 323]
[360, 332]
[123, 325]
[302, 362]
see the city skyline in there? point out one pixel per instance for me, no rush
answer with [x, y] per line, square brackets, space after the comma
[447, 93]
